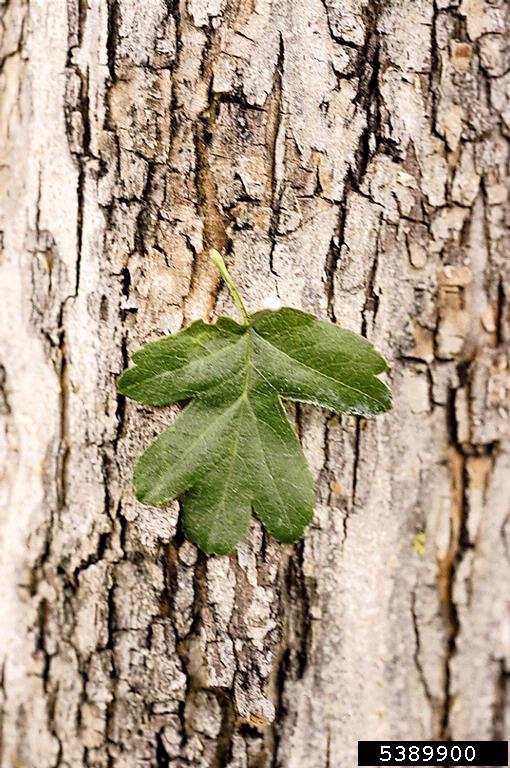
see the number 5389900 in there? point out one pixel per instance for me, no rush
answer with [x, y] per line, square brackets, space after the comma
[422, 753]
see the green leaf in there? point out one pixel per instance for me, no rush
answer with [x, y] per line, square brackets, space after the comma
[232, 448]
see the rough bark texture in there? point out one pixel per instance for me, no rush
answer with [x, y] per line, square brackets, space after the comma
[351, 158]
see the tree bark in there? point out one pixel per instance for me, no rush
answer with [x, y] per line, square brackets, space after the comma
[350, 158]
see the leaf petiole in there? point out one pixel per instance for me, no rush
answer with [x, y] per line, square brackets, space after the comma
[217, 260]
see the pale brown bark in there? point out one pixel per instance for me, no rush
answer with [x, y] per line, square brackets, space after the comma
[351, 158]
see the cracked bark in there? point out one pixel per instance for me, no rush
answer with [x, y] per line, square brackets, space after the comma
[350, 159]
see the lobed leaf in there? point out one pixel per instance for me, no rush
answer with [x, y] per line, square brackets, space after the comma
[232, 448]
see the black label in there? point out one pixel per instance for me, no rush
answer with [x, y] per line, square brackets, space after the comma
[447, 753]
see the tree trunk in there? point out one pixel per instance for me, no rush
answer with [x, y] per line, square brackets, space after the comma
[350, 158]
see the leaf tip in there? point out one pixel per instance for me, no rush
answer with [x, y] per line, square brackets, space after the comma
[206, 545]
[120, 383]
[142, 488]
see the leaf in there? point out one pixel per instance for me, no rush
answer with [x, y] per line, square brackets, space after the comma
[232, 448]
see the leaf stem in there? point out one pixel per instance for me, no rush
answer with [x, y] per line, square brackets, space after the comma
[217, 259]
